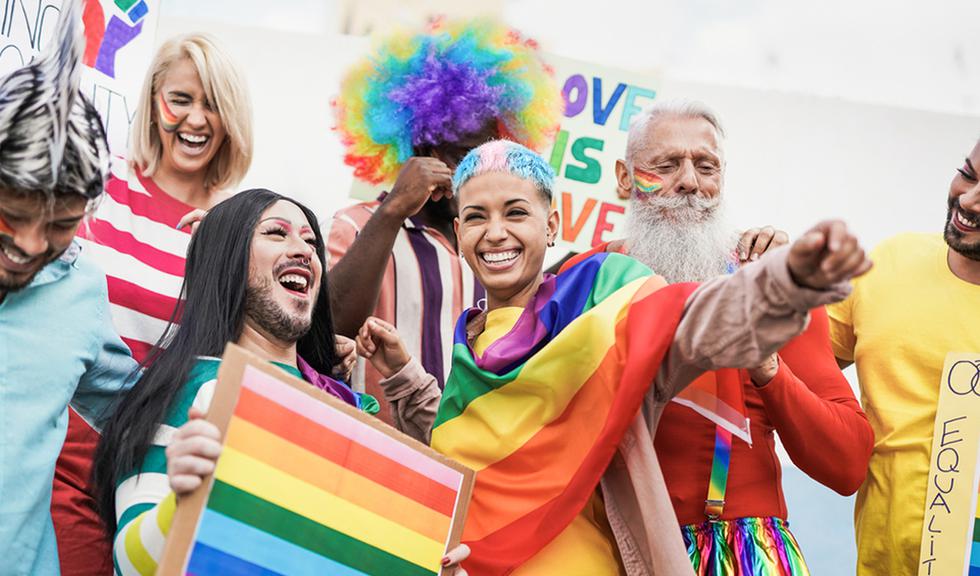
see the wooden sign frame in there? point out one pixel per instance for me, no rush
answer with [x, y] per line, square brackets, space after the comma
[234, 363]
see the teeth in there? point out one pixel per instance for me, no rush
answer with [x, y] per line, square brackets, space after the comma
[194, 138]
[293, 279]
[962, 219]
[15, 258]
[499, 256]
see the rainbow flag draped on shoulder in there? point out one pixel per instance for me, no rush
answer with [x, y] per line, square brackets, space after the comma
[540, 414]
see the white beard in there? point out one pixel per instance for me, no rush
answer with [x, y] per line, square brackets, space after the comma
[682, 238]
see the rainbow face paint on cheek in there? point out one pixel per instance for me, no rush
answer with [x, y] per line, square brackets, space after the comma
[646, 183]
[168, 120]
[5, 229]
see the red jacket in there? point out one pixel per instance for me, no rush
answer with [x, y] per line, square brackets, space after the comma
[809, 403]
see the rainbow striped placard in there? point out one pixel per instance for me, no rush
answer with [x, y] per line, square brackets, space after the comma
[307, 485]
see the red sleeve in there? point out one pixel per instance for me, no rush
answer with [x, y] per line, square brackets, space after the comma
[811, 405]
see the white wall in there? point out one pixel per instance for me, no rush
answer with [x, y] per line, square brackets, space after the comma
[792, 159]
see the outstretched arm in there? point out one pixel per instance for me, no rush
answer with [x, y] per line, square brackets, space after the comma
[738, 321]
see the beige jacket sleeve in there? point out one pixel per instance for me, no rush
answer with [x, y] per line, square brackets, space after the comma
[737, 321]
[414, 398]
[734, 321]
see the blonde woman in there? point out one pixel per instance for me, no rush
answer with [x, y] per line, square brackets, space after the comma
[191, 144]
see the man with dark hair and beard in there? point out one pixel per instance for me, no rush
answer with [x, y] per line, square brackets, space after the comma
[57, 344]
[920, 303]
[255, 275]
[725, 491]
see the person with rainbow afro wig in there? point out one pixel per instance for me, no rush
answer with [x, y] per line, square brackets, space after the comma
[557, 385]
[407, 114]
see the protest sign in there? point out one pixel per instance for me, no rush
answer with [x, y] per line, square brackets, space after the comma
[949, 536]
[119, 42]
[306, 484]
[600, 102]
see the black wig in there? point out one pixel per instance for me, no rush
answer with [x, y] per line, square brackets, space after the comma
[211, 313]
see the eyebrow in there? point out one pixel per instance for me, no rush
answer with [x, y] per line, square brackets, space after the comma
[180, 93]
[282, 220]
[507, 203]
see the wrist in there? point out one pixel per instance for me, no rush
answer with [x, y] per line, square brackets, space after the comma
[390, 212]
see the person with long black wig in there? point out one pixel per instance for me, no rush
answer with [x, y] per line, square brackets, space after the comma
[255, 275]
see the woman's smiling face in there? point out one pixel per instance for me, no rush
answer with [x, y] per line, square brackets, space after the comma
[504, 227]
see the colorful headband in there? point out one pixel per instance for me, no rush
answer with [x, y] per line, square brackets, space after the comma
[439, 86]
[510, 158]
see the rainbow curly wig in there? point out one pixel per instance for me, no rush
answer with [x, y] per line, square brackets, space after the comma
[507, 157]
[436, 87]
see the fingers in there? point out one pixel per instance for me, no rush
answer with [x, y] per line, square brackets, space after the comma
[837, 233]
[193, 453]
[343, 346]
[366, 346]
[456, 555]
[195, 413]
[810, 244]
[383, 331]
[761, 243]
[745, 243]
[192, 218]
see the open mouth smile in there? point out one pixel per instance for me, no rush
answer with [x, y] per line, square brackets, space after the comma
[964, 221]
[500, 259]
[14, 260]
[194, 142]
[296, 281]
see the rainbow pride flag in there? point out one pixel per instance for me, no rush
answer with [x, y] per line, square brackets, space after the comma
[715, 395]
[310, 487]
[541, 413]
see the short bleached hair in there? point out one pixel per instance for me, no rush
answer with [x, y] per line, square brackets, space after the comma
[224, 87]
[663, 109]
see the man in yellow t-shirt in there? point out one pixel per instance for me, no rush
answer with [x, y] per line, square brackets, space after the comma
[919, 303]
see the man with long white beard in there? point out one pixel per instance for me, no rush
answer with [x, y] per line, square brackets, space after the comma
[725, 492]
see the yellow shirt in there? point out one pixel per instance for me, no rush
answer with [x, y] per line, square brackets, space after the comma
[898, 325]
[587, 546]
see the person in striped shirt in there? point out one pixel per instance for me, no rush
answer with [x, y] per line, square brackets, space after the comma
[256, 277]
[407, 114]
[191, 143]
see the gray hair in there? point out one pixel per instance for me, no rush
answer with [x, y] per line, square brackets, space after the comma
[677, 108]
[51, 136]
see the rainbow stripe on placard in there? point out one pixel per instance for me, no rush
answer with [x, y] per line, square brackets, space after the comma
[302, 487]
[974, 552]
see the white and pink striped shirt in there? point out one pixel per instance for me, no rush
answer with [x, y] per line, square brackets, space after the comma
[426, 287]
[133, 237]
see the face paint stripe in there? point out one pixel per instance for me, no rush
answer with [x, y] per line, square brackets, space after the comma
[5, 228]
[168, 120]
[646, 182]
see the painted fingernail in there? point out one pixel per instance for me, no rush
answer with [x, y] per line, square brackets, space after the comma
[445, 560]
[755, 257]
